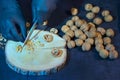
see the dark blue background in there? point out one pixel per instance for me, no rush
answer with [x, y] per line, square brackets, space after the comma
[80, 65]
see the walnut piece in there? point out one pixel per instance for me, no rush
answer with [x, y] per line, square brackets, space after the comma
[19, 48]
[48, 38]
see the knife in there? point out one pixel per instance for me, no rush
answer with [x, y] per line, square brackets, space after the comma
[30, 32]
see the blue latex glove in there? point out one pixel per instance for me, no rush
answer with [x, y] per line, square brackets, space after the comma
[10, 16]
[42, 9]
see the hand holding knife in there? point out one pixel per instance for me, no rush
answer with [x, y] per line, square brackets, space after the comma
[30, 32]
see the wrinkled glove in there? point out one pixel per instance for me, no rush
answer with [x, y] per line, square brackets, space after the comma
[42, 9]
[11, 20]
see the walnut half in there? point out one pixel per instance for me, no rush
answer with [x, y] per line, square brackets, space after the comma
[48, 38]
[56, 52]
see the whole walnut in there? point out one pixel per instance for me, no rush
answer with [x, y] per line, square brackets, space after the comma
[66, 37]
[101, 30]
[86, 46]
[90, 40]
[106, 40]
[79, 42]
[78, 32]
[65, 28]
[99, 47]
[88, 7]
[103, 53]
[113, 54]
[71, 44]
[70, 33]
[110, 32]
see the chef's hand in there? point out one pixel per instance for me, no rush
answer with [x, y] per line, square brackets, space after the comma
[11, 20]
[42, 9]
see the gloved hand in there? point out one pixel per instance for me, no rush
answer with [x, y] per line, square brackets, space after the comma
[42, 9]
[11, 20]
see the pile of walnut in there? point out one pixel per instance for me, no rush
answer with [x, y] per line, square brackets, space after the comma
[94, 10]
[79, 32]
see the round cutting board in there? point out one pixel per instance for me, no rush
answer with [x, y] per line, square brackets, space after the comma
[39, 61]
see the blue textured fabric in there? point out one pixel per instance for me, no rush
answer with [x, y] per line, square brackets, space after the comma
[11, 20]
[80, 65]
